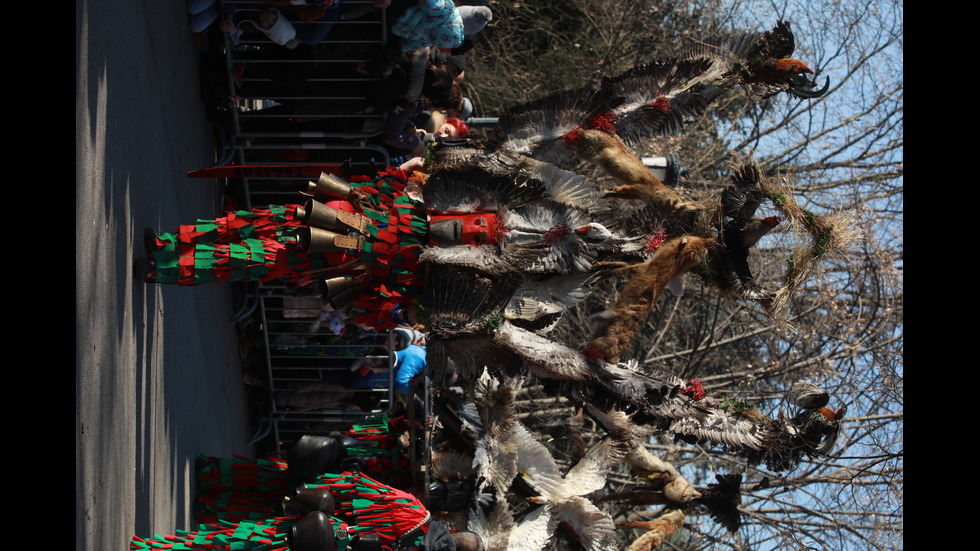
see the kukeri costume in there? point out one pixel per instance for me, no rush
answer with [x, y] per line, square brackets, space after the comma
[242, 503]
[337, 511]
[367, 239]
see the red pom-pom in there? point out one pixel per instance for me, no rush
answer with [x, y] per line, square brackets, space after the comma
[695, 390]
[556, 232]
[571, 138]
[660, 104]
[592, 352]
[604, 122]
[654, 242]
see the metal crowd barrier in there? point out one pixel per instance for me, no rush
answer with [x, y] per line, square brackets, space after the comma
[302, 107]
[308, 101]
[308, 367]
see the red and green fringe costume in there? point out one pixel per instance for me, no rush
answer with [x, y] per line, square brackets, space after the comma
[237, 488]
[369, 506]
[240, 489]
[402, 230]
[379, 443]
[363, 505]
[261, 245]
[263, 535]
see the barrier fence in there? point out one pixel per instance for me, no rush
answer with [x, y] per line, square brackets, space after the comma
[303, 107]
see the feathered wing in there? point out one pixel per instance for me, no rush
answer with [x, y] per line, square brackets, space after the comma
[540, 238]
[484, 259]
[527, 175]
[458, 299]
[535, 464]
[722, 500]
[778, 42]
[545, 358]
[495, 528]
[656, 98]
[538, 305]
[535, 128]
[724, 55]
[592, 527]
[449, 465]
[478, 190]
[618, 425]
[565, 186]
[829, 442]
[591, 472]
[742, 198]
[722, 427]
[807, 395]
[561, 496]
[503, 463]
[457, 359]
[494, 397]
[533, 531]
[738, 279]
[495, 461]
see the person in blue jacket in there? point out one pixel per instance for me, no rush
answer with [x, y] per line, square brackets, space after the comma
[409, 359]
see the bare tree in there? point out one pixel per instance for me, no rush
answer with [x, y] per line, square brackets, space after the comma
[839, 153]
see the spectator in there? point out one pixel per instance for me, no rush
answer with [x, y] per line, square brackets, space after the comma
[409, 361]
[429, 23]
[313, 20]
[404, 129]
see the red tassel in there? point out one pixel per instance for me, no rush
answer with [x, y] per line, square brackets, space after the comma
[604, 122]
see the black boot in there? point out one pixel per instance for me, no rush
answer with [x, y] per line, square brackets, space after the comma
[150, 241]
[142, 267]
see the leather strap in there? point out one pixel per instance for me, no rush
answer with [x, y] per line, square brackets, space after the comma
[355, 243]
[355, 221]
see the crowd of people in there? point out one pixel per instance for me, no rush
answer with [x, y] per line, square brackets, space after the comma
[420, 66]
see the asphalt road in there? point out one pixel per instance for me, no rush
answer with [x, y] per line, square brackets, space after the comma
[157, 371]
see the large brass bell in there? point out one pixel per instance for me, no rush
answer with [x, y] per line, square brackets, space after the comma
[329, 185]
[318, 240]
[446, 232]
[331, 287]
[317, 214]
